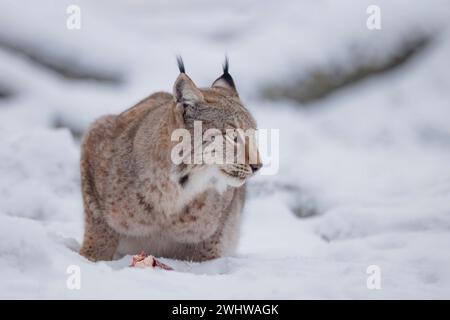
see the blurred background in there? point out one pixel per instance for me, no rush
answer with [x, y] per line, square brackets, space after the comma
[364, 122]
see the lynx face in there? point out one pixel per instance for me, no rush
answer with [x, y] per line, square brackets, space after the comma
[223, 118]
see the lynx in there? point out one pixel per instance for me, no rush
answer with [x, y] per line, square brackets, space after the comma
[136, 199]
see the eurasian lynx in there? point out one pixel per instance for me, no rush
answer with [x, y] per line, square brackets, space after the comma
[136, 198]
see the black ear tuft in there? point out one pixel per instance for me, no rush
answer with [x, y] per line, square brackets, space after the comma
[181, 64]
[226, 76]
[225, 65]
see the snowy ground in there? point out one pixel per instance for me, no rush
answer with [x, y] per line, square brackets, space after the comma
[364, 174]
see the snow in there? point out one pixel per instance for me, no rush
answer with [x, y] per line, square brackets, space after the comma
[364, 174]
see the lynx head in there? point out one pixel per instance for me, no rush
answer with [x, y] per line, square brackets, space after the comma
[227, 129]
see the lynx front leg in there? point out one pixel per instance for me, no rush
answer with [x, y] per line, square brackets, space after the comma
[206, 250]
[100, 241]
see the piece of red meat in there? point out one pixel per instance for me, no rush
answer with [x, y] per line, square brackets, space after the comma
[143, 260]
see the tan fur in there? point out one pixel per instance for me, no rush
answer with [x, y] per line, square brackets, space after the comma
[132, 195]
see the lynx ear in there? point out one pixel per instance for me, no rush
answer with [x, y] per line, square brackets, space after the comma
[225, 80]
[184, 89]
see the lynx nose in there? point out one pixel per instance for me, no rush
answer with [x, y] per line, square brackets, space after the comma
[255, 167]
